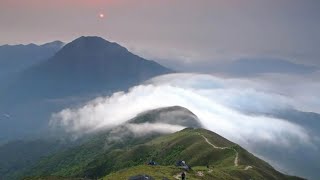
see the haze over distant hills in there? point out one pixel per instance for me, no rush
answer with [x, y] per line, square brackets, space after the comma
[247, 67]
[83, 68]
[86, 65]
[16, 58]
[254, 67]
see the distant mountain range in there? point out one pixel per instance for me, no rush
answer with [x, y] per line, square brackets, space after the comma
[257, 66]
[85, 67]
[16, 58]
[121, 152]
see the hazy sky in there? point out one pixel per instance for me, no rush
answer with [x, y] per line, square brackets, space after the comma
[185, 30]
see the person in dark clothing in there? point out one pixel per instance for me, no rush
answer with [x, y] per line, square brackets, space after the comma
[183, 176]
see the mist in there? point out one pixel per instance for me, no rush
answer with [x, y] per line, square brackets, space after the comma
[234, 108]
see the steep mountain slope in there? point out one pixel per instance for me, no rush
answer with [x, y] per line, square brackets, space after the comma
[86, 65]
[188, 145]
[18, 156]
[206, 162]
[83, 69]
[120, 153]
[85, 149]
[175, 115]
[94, 148]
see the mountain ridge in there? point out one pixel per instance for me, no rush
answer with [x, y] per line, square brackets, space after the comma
[85, 67]
[110, 155]
[116, 154]
[16, 58]
[187, 145]
[88, 62]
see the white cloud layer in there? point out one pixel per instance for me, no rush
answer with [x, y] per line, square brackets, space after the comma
[222, 105]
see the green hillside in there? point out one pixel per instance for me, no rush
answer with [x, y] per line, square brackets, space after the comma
[199, 172]
[191, 146]
[103, 146]
[17, 156]
[119, 153]
[69, 157]
[175, 115]
[195, 146]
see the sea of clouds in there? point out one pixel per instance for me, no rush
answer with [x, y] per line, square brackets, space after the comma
[234, 108]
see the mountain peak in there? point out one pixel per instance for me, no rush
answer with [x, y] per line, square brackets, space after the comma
[90, 40]
[175, 115]
[96, 41]
[87, 65]
[91, 46]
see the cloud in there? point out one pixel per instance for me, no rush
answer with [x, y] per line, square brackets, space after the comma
[122, 133]
[234, 108]
[147, 128]
[222, 105]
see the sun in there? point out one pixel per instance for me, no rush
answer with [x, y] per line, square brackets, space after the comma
[101, 15]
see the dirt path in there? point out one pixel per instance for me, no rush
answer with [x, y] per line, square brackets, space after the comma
[236, 159]
[200, 174]
[178, 176]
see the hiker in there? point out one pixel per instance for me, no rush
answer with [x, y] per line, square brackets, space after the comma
[183, 176]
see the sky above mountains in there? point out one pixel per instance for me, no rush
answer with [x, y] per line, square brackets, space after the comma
[179, 32]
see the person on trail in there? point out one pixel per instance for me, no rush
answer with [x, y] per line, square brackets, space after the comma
[183, 176]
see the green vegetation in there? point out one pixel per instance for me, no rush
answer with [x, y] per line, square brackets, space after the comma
[176, 115]
[51, 178]
[199, 172]
[119, 161]
[18, 156]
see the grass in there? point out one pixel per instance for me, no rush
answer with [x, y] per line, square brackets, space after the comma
[197, 173]
[166, 150]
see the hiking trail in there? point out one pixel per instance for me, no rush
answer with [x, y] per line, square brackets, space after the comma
[236, 159]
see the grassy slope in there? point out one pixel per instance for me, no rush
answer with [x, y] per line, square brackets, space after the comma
[199, 172]
[76, 160]
[165, 150]
[93, 158]
[198, 153]
[188, 145]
